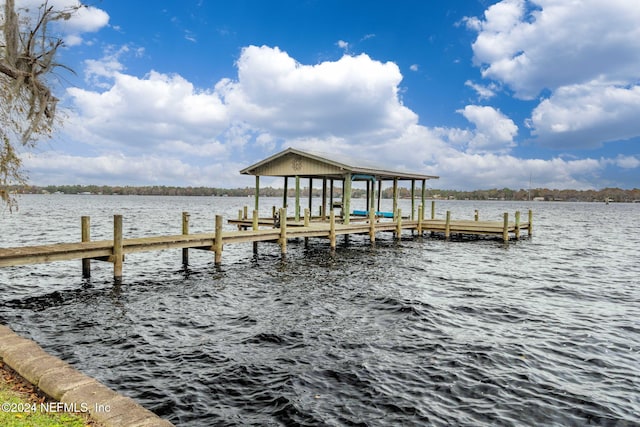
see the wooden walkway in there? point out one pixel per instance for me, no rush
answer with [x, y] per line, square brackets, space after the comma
[248, 231]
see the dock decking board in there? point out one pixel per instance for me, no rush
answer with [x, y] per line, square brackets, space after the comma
[104, 250]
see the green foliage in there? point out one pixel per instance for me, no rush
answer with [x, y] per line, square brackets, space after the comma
[613, 194]
[27, 104]
[14, 413]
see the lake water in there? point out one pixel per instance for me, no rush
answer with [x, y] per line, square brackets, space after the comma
[417, 331]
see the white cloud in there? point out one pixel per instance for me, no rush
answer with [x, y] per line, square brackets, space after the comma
[414, 67]
[121, 169]
[546, 44]
[85, 19]
[160, 129]
[626, 162]
[590, 113]
[148, 112]
[342, 44]
[583, 52]
[354, 96]
[102, 72]
[484, 92]
[494, 131]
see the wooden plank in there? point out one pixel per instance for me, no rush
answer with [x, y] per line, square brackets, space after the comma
[104, 249]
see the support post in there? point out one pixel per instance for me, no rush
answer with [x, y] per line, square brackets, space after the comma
[217, 244]
[283, 231]
[420, 213]
[399, 224]
[331, 195]
[323, 210]
[372, 204]
[530, 227]
[447, 226]
[379, 194]
[433, 209]
[307, 218]
[368, 202]
[395, 195]
[372, 225]
[86, 237]
[185, 231]
[297, 210]
[255, 227]
[476, 215]
[332, 229]
[117, 247]
[257, 197]
[505, 227]
[286, 191]
[245, 212]
[310, 194]
[346, 199]
[517, 225]
[424, 194]
[413, 199]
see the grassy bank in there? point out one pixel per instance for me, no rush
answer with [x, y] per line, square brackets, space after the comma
[23, 405]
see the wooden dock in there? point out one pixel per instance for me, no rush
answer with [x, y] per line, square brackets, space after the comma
[249, 230]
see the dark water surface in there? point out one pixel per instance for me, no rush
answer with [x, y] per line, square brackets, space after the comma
[412, 332]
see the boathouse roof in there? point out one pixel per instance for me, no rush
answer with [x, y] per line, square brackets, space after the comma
[305, 164]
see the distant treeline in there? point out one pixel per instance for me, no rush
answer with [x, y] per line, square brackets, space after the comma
[610, 194]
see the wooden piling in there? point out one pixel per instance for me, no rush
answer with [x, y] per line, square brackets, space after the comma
[530, 226]
[332, 229]
[307, 215]
[86, 237]
[217, 242]
[420, 212]
[476, 215]
[433, 209]
[117, 247]
[245, 212]
[447, 226]
[254, 226]
[185, 231]
[283, 230]
[505, 227]
[372, 225]
[413, 199]
[517, 231]
[399, 224]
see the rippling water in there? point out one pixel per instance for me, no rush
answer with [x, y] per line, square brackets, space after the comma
[418, 331]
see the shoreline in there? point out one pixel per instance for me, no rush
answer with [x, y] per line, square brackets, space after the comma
[62, 383]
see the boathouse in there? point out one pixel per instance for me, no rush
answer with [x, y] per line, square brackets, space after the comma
[290, 163]
[330, 170]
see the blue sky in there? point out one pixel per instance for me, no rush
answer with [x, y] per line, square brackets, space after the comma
[485, 94]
